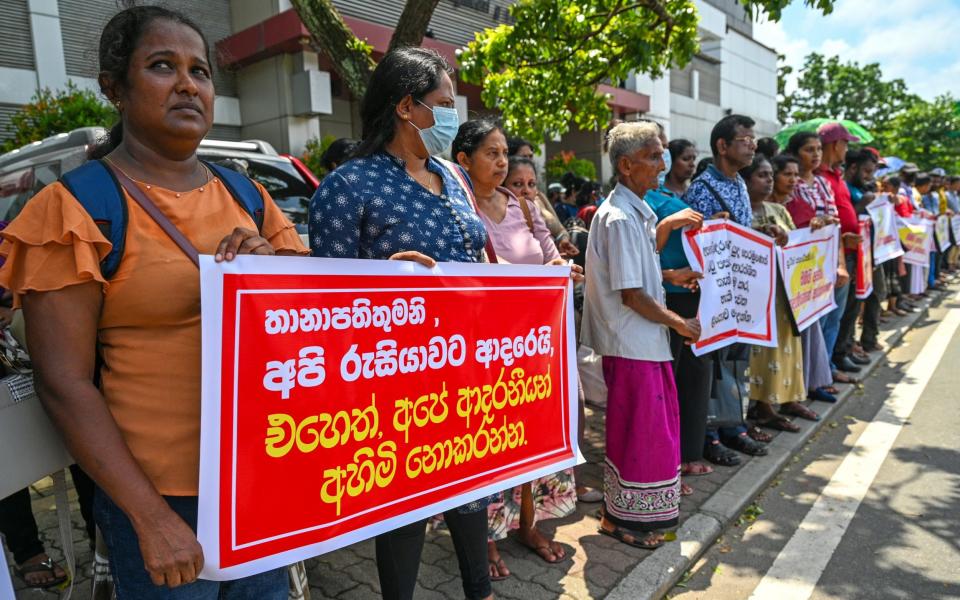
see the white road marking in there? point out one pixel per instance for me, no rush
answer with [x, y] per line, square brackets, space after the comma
[798, 567]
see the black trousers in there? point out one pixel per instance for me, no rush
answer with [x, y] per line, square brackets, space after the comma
[398, 555]
[694, 376]
[851, 311]
[19, 527]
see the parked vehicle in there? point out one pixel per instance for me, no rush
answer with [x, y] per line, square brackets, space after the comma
[24, 171]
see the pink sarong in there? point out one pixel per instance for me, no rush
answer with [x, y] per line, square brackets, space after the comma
[641, 475]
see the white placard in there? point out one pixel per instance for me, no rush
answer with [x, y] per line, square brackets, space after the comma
[886, 239]
[738, 285]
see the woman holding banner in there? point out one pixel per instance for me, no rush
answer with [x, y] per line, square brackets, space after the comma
[776, 374]
[519, 236]
[137, 434]
[817, 375]
[394, 200]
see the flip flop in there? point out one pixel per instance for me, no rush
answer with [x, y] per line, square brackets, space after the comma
[759, 435]
[47, 566]
[685, 490]
[695, 469]
[500, 566]
[631, 539]
[798, 410]
[543, 551]
[780, 424]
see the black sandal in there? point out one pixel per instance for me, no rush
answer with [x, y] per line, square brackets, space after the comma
[718, 455]
[47, 566]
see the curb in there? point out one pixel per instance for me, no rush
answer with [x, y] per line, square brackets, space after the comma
[653, 577]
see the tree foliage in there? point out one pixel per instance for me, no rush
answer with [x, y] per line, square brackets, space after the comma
[784, 100]
[49, 113]
[926, 133]
[829, 88]
[542, 71]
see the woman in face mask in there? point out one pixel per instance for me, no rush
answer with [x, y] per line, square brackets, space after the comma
[395, 200]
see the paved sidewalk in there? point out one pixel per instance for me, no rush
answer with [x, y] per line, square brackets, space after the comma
[596, 566]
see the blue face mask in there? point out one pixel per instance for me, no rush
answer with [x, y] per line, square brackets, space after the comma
[668, 161]
[446, 123]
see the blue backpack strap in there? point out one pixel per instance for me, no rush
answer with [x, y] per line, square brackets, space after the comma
[242, 189]
[99, 192]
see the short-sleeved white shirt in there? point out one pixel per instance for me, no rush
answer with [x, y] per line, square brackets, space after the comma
[621, 255]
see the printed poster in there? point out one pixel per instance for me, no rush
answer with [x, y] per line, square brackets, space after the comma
[916, 235]
[738, 285]
[346, 398]
[886, 240]
[808, 264]
[942, 233]
[864, 283]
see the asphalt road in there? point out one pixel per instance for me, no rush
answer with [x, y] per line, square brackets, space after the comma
[870, 509]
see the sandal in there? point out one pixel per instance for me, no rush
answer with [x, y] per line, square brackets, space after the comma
[822, 395]
[44, 566]
[543, 547]
[719, 455]
[631, 539]
[839, 377]
[780, 424]
[759, 435]
[685, 490]
[499, 566]
[795, 409]
[695, 468]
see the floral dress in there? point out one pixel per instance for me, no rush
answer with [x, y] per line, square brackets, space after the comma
[554, 497]
[776, 374]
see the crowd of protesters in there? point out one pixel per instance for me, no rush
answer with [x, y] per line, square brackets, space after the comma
[136, 433]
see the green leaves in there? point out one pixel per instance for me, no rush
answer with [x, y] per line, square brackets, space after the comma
[49, 113]
[831, 89]
[927, 133]
[542, 72]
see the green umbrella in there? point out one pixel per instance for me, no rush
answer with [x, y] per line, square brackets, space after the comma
[813, 124]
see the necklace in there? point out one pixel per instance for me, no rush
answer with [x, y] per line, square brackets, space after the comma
[208, 176]
[427, 184]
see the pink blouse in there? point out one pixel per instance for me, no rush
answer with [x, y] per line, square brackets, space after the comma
[512, 240]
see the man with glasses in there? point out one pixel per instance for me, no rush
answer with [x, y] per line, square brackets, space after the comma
[720, 192]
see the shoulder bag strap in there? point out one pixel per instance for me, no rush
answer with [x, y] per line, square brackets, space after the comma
[716, 194]
[157, 215]
[524, 206]
[468, 189]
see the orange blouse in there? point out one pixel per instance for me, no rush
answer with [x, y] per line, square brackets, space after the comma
[149, 327]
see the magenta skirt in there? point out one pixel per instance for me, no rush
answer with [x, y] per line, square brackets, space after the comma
[641, 475]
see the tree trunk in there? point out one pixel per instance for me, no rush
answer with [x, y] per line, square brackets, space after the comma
[413, 23]
[332, 37]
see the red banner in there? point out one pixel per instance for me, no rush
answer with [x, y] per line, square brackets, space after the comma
[865, 260]
[346, 398]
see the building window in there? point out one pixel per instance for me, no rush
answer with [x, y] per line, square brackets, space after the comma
[704, 86]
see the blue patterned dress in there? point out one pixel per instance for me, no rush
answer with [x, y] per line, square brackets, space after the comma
[371, 207]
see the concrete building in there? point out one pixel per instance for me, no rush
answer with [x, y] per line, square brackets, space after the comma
[271, 85]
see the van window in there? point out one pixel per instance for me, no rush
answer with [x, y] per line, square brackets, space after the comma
[15, 189]
[18, 187]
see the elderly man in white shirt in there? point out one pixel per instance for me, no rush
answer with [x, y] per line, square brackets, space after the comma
[626, 321]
